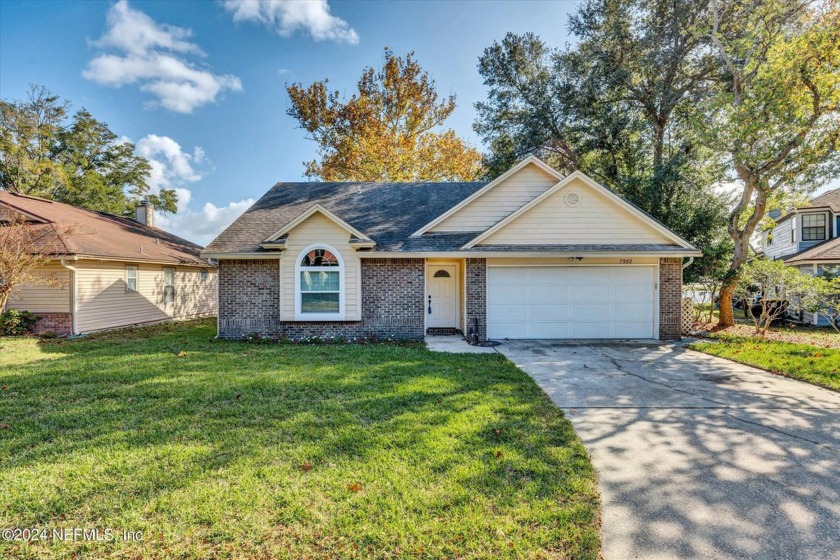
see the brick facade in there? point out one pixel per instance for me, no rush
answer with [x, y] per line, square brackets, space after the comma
[58, 323]
[670, 298]
[249, 297]
[476, 287]
[392, 302]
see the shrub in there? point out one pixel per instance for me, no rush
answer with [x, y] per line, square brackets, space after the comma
[15, 322]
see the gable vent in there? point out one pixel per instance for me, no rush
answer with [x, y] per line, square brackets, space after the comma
[572, 199]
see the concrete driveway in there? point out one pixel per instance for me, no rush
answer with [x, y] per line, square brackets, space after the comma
[698, 457]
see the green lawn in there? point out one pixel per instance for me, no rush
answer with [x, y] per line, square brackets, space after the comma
[807, 362]
[226, 450]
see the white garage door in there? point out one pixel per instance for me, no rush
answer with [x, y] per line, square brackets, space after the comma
[571, 302]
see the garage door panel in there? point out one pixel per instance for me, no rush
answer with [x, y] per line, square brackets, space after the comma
[588, 275]
[634, 311]
[546, 275]
[550, 330]
[630, 330]
[591, 292]
[634, 292]
[594, 329]
[510, 294]
[556, 293]
[550, 311]
[507, 276]
[509, 330]
[571, 302]
[505, 312]
[584, 311]
[630, 274]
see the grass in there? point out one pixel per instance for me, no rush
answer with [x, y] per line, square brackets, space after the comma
[807, 362]
[225, 450]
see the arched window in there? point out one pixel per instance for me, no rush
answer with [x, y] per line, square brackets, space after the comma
[319, 284]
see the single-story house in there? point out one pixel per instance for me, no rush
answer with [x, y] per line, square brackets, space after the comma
[108, 271]
[531, 254]
[808, 238]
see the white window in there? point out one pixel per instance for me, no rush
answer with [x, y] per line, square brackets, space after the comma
[131, 278]
[319, 285]
[813, 227]
[168, 286]
[202, 274]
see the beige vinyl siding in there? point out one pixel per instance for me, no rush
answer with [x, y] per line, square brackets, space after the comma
[103, 301]
[44, 298]
[596, 219]
[500, 201]
[318, 229]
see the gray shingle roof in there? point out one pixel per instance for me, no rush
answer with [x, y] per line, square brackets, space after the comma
[830, 199]
[826, 251]
[387, 212]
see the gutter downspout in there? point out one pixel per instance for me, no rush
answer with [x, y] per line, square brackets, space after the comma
[686, 265]
[73, 299]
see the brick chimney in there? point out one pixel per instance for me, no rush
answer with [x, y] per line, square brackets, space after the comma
[145, 213]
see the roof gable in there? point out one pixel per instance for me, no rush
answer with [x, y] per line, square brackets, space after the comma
[316, 209]
[578, 210]
[497, 199]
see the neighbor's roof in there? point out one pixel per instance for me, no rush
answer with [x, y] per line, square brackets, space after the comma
[100, 235]
[386, 212]
[826, 251]
[829, 199]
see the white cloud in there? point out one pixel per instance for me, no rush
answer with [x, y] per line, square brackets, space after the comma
[171, 166]
[155, 56]
[287, 16]
[175, 168]
[202, 226]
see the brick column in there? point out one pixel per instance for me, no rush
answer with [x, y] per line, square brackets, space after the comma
[670, 298]
[476, 286]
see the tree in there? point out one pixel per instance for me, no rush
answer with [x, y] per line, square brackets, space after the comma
[388, 131]
[777, 289]
[825, 300]
[24, 247]
[78, 161]
[618, 105]
[773, 108]
[708, 274]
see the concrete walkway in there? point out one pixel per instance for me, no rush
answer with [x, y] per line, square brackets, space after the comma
[454, 344]
[698, 457]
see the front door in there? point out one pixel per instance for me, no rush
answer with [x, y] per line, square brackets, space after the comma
[441, 296]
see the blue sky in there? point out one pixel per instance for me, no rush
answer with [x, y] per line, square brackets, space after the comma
[198, 86]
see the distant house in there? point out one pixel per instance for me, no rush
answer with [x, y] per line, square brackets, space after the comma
[531, 254]
[808, 238]
[112, 271]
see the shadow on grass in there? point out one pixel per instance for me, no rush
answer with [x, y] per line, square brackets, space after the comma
[456, 454]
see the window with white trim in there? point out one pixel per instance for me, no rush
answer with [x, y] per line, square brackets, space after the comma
[319, 284]
[813, 227]
[131, 278]
[168, 286]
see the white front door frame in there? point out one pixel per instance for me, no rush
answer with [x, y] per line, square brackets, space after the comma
[454, 268]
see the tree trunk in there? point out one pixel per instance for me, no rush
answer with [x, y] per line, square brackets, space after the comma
[727, 314]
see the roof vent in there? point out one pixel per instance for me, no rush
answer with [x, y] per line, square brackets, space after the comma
[572, 199]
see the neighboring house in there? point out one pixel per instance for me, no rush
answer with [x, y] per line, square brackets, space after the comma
[808, 238]
[531, 254]
[111, 271]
